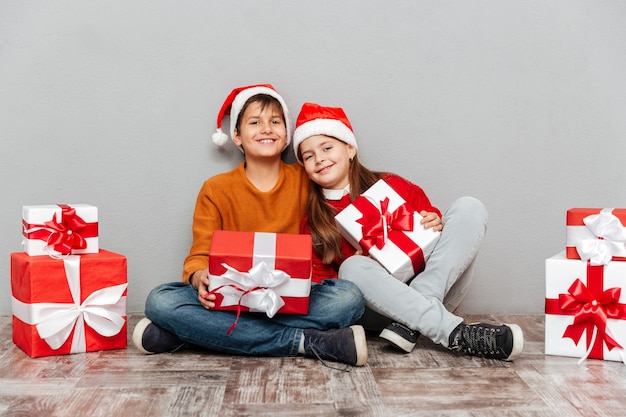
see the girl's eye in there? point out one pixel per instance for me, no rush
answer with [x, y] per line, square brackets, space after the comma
[306, 157]
[277, 121]
[328, 148]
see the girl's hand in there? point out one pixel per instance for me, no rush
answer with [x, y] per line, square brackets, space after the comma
[200, 281]
[431, 220]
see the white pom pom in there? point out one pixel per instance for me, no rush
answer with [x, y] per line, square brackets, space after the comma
[219, 138]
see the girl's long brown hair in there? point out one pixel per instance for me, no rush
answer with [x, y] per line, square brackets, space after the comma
[324, 229]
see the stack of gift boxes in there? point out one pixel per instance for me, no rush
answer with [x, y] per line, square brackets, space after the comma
[68, 295]
[585, 307]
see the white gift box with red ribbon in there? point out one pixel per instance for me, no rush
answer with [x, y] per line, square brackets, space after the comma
[260, 272]
[69, 305]
[60, 229]
[585, 309]
[382, 224]
[596, 234]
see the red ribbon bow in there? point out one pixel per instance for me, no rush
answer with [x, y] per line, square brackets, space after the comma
[376, 227]
[243, 293]
[591, 310]
[64, 236]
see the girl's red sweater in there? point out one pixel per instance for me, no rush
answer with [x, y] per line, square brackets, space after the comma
[411, 193]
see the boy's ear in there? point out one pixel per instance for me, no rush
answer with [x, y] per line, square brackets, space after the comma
[236, 138]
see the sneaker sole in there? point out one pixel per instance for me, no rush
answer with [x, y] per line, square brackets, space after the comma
[518, 341]
[138, 335]
[360, 343]
[397, 340]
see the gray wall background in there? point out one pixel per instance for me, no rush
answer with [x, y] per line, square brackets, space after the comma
[519, 103]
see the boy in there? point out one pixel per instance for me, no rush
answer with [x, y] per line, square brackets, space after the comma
[262, 194]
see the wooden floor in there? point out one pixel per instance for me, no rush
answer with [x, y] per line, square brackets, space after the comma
[428, 382]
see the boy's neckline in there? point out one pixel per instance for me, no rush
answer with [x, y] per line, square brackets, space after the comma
[263, 177]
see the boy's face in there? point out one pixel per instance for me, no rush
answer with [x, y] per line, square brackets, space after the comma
[262, 131]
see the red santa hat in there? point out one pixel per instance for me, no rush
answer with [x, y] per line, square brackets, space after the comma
[321, 120]
[235, 102]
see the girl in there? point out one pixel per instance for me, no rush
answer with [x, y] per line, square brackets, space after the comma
[261, 195]
[324, 143]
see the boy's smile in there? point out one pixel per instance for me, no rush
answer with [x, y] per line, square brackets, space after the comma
[267, 141]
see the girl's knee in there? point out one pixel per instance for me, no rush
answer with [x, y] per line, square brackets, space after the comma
[469, 207]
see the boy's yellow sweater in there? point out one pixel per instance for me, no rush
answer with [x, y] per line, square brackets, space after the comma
[228, 201]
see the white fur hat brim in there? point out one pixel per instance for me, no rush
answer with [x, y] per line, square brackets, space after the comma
[327, 127]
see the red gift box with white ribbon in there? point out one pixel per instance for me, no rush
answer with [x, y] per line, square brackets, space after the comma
[596, 234]
[585, 309]
[260, 272]
[386, 227]
[68, 305]
[60, 229]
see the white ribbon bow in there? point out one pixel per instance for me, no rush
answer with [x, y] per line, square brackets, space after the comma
[610, 241]
[102, 310]
[261, 281]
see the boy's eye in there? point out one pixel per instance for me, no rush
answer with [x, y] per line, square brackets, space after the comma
[277, 121]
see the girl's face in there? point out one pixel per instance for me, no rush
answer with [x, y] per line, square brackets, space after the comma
[327, 161]
[262, 131]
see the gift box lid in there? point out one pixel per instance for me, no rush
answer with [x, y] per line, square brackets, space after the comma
[287, 252]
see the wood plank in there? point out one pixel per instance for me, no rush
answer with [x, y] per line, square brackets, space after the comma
[356, 393]
[277, 380]
[430, 381]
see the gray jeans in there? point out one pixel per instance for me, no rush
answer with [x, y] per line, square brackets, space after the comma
[427, 302]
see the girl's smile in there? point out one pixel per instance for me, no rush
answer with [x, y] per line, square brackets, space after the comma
[325, 169]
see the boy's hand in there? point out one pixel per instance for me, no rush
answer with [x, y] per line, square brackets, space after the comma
[200, 281]
[431, 220]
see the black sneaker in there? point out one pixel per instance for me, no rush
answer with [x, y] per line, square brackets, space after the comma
[149, 338]
[504, 342]
[400, 336]
[345, 345]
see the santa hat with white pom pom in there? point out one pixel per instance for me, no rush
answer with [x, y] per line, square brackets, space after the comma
[235, 102]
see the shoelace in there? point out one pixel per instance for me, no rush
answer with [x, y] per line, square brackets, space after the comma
[479, 339]
[313, 349]
[402, 327]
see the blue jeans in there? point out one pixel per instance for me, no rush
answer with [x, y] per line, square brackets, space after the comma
[427, 302]
[175, 307]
